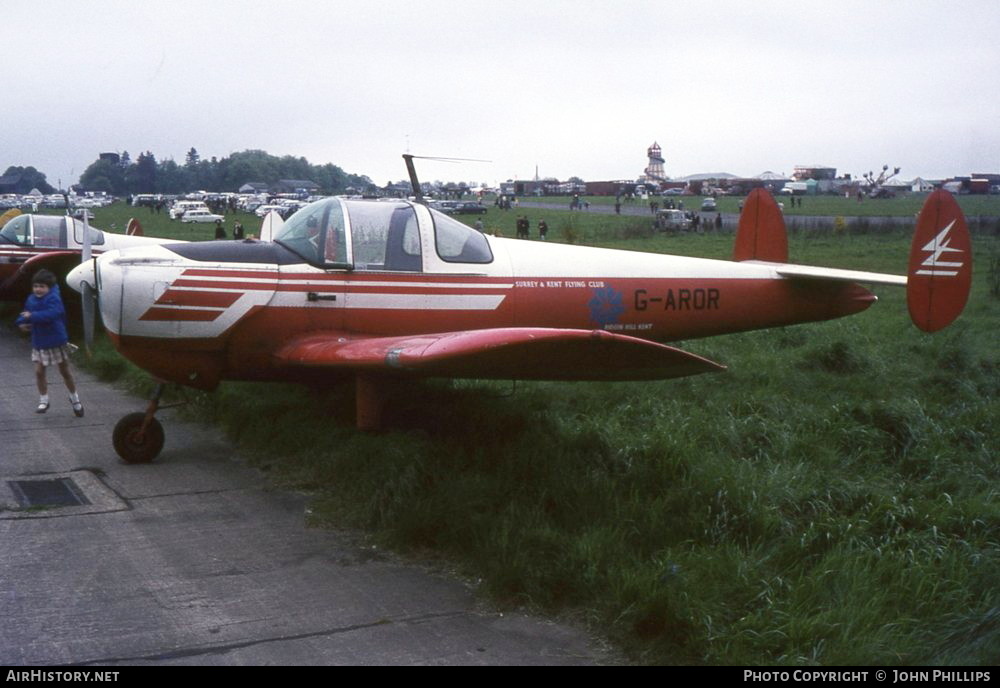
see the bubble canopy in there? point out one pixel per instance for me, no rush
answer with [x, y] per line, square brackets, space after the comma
[378, 235]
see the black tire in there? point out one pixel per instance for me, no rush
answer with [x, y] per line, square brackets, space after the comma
[127, 444]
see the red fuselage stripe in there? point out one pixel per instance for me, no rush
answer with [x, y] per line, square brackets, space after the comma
[205, 299]
[179, 315]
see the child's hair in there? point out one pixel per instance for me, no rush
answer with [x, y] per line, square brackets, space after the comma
[44, 277]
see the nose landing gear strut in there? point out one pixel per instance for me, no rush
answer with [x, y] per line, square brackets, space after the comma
[138, 437]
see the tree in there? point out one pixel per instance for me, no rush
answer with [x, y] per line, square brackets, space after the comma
[141, 177]
[104, 175]
[30, 178]
[171, 178]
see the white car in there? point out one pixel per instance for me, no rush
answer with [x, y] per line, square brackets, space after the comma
[200, 216]
[263, 210]
[180, 207]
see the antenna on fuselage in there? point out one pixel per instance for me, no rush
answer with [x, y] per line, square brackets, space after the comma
[414, 182]
[412, 170]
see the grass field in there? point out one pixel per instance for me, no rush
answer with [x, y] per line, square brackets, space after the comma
[829, 206]
[831, 499]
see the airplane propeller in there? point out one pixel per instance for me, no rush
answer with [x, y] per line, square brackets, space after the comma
[88, 292]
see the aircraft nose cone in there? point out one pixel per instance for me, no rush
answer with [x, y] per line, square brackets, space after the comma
[82, 273]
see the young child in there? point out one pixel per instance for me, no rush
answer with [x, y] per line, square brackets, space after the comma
[45, 317]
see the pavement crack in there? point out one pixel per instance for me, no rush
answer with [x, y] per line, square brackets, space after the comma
[188, 493]
[221, 649]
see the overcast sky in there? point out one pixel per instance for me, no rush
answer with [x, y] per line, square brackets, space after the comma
[577, 88]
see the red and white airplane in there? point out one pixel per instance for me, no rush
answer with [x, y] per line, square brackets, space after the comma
[378, 290]
[29, 243]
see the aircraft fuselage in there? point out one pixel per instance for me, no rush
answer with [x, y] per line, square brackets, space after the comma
[197, 322]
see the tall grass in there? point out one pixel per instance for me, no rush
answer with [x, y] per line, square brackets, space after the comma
[832, 499]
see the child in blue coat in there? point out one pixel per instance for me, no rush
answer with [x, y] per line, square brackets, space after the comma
[45, 317]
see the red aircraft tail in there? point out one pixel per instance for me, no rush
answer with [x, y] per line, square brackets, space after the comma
[940, 271]
[133, 228]
[761, 233]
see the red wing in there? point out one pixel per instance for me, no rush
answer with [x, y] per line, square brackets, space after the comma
[506, 353]
[58, 262]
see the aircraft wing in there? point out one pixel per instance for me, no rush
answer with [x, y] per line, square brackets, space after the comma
[503, 353]
[813, 272]
[59, 262]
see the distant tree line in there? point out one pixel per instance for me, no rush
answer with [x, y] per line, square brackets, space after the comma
[120, 176]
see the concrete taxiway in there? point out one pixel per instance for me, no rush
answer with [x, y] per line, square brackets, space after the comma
[193, 559]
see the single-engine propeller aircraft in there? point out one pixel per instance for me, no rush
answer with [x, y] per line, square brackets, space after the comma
[377, 290]
[29, 243]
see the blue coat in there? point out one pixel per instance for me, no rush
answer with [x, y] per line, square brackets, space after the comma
[48, 320]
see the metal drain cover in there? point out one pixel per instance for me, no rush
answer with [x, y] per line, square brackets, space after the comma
[53, 495]
[55, 492]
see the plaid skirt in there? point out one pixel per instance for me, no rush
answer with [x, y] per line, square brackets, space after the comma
[54, 356]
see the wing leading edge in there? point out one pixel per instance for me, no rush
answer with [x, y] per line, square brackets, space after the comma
[504, 353]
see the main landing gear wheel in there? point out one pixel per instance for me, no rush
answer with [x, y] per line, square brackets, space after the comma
[135, 444]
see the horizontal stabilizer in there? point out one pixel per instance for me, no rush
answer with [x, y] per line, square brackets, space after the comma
[761, 232]
[834, 274]
[505, 353]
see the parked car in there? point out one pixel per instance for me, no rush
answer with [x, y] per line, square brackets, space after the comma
[200, 216]
[468, 208]
[179, 208]
[444, 206]
[672, 220]
[263, 210]
[709, 204]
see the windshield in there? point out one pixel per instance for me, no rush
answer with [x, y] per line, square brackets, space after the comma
[16, 231]
[317, 232]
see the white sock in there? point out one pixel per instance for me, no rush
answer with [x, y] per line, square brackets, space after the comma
[75, 397]
[43, 399]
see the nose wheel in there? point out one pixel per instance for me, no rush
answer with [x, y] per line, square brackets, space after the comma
[138, 437]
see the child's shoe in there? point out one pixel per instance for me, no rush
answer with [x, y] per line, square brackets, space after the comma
[77, 406]
[43, 404]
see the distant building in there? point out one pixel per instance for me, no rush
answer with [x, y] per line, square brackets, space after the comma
[113, 158]
[253, 188]
[298, 186]
[611, 188]
[9, 183]
[817, 172]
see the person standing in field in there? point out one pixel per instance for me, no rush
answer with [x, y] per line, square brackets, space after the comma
[45, 318]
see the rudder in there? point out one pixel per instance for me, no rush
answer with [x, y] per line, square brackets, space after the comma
[940, 271]
[761, 232]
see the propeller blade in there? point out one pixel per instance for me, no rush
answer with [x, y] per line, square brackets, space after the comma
[88, 294]
[87, 246]
[88, 298]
